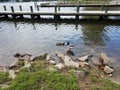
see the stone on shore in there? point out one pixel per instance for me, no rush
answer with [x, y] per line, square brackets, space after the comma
[84, 58]
[83, 64]
[25, 57]
[105, 60]
[95, 61]
[17, 64]
[53, 58]
[27, 65]
[48, 57]
[59, 66]
[3, 69]
[12, 74]
[70, 63]
[69, 52]
[41, 57]
[52, 62]
[17, 55]
[80, 74]
[52, 69]
[108, 70]
[60, 55]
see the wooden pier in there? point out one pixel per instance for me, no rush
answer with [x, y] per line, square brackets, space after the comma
[57, 13]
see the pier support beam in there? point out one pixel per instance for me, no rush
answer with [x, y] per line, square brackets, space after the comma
[77, 17]
[57, 17]
[21, 17]
[6, 16]
[103, 17]
[32, 16]
[13, 16]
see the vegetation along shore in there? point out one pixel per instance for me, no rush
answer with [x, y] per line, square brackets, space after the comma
[58, 72]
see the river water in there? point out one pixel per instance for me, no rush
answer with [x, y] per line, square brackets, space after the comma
[36, 37]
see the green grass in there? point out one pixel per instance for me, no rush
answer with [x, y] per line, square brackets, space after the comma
[95, 87]
[37, 77]
[109, 85]
[4, 77]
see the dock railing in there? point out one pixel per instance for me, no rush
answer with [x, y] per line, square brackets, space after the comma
[88, 2]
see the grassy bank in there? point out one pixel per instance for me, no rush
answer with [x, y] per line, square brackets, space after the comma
[38, 77]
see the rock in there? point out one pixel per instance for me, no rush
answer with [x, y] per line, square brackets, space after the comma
[110, 75]
[25, 57]
[80, 74]
[17, 55]
[95, 61]
[27, 65]
[60, 44]
[52, 62]
[48, 57]
[17, 64]
[32, 57]
[59, 66]
[108, 70]
[60, 55]
[12, 74]
[41, 57]
[101, 67]
[52, 69]
[14, 64]
[3, 69]
[83, 64]
[105, 60]
[68, 62]
[84, 58]
[53, 58]
[102, 76]
[69, 52]
[4, 86]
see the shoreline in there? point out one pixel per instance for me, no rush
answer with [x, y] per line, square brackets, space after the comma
[81, 67]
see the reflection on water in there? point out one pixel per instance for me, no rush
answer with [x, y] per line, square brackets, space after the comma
[36, 38]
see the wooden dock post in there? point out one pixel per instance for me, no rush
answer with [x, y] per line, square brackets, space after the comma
[78, 9]
[58, 7]
[6, 16]
[55, 9]
[21, 16]
[106, 9]
[38, 8]
[20, 8]
[12, 9]
[31, 9]
[4, 8]
[102, 7]
[77, 16]
[56, 16]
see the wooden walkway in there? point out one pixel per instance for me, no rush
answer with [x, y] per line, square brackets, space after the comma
[57, 13]
[79, 5]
